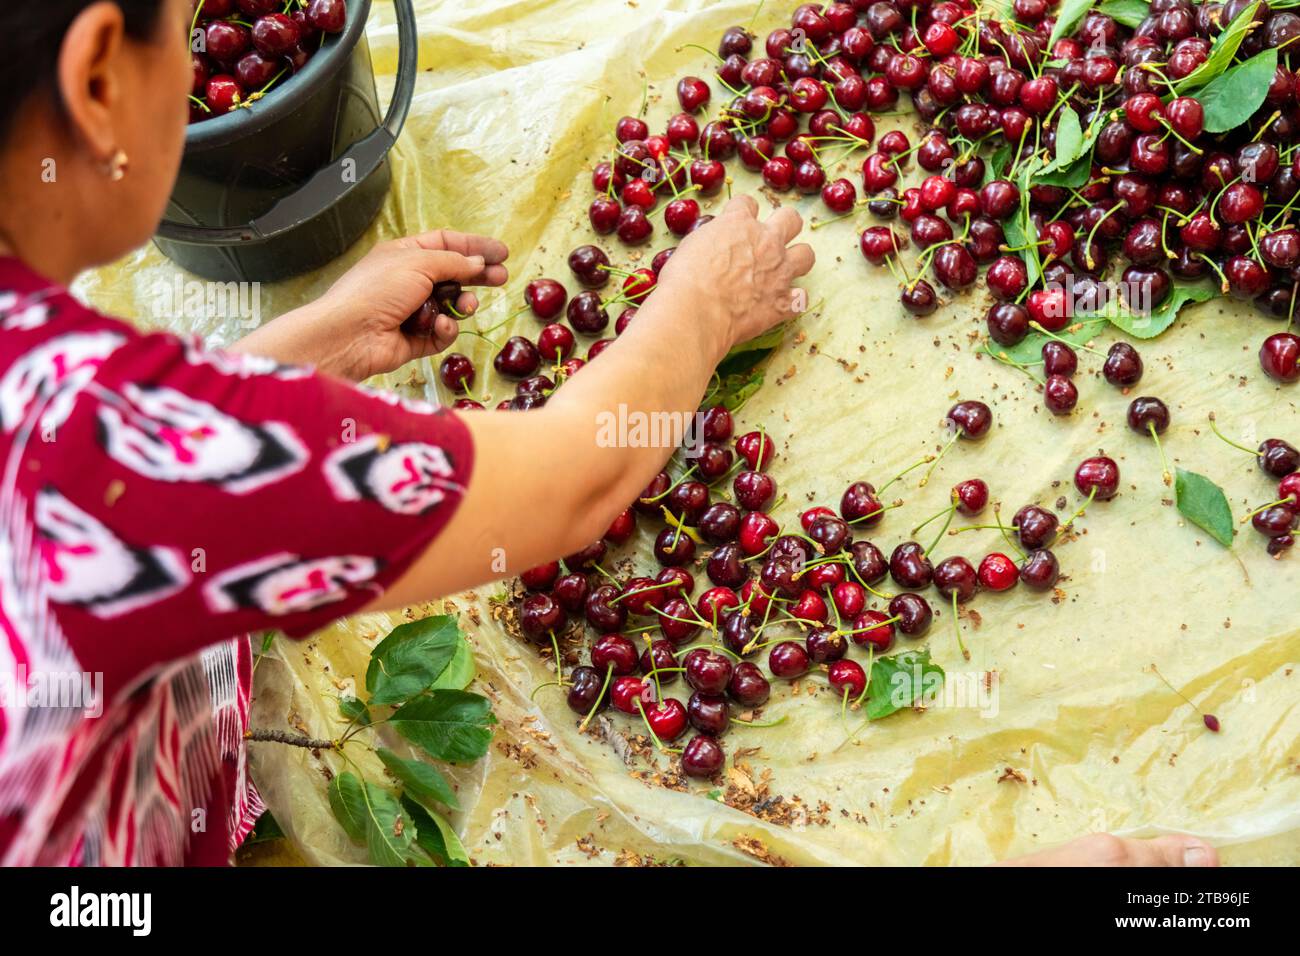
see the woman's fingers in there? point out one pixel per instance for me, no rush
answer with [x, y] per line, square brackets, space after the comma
[801, 259]
[445, 331]
[445, 266]
[495, 276]
[467, 304]
[787, 223]
[493, 251]
[741, 206]
[1105, 849]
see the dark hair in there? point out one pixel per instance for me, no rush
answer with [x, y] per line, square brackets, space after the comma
[31, 35]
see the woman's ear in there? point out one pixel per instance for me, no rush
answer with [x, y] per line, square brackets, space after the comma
[89, 86]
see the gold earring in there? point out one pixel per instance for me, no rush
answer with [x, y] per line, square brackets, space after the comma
[118, 166]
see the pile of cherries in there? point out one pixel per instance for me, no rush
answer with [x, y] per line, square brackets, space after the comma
[242, 48]
[812, 596]
[1279, 520]
[540, 365]
[1165, 200]
[818, 588]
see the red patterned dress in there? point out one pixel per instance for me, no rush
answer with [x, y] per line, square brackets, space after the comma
[159, 501]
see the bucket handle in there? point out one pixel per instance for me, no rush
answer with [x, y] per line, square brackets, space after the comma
[351, 169]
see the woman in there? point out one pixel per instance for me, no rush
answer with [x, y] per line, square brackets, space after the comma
[160, 500]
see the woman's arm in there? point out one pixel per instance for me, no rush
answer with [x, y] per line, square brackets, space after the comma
[543, 485]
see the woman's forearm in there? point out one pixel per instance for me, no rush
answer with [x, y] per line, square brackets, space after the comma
[549, 482]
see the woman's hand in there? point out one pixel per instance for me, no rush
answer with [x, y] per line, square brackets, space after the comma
[1103, 849]
[742, 270]
[354, 330]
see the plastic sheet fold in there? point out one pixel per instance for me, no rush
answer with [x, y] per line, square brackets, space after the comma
[514, 104]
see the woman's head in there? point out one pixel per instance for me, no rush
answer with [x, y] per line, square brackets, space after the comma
[90, 89]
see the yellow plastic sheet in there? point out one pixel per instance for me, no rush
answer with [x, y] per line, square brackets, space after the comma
[515, 103]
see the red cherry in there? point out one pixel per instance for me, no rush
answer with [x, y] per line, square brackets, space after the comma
[937, 192]
[702, 757]
[631, 128]
[1290, 488]
[667, 719]
[850, 597]
[1050, 308]
[809, 517]
[788, 660]
[681, 215]
[693, 93]
[756, 531]
[622, 528]
[541, 577]
[1101, 474]
[778, 173]
[810, 607]
[626, 692]
[847, 677]
[1279, 357]
[556, 342]
[878, 243]
[223, 94]
[873, 627]
[971, 496]
[997, 572]
[940, 39]
[715, 602]
[839, 196]
[709, 175]
[756, 448]
[545, 297]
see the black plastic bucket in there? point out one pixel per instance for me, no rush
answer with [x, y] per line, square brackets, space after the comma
[289, 183]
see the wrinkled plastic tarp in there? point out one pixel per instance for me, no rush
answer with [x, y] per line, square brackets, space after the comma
[513, 107]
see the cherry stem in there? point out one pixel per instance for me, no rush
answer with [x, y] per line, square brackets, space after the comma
[910, 468]
[946, 525]
[1155, 670]
[956, 624]
[549, 683]
[1155, 436]
[1006, 532]
[1272, 504]
[559, 668]
[609, 673]
[874, 626]
[1038, 327]
[1092, 494]
[872, 514]
[644, 590]
[866, 684]
[1228, 441]
[1022, 367]
[760, 724]
[938, 458]
[934, 517]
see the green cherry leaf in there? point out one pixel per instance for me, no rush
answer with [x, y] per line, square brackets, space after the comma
[1232, 99]
[900, 680]
[1204, 504]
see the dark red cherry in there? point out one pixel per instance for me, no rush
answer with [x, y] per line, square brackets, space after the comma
[586, 690]
[788, 660]
[909, 566]
[1100, 474]
[956, 577]
[1040, 570]
[971, 418]
[913, 613]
